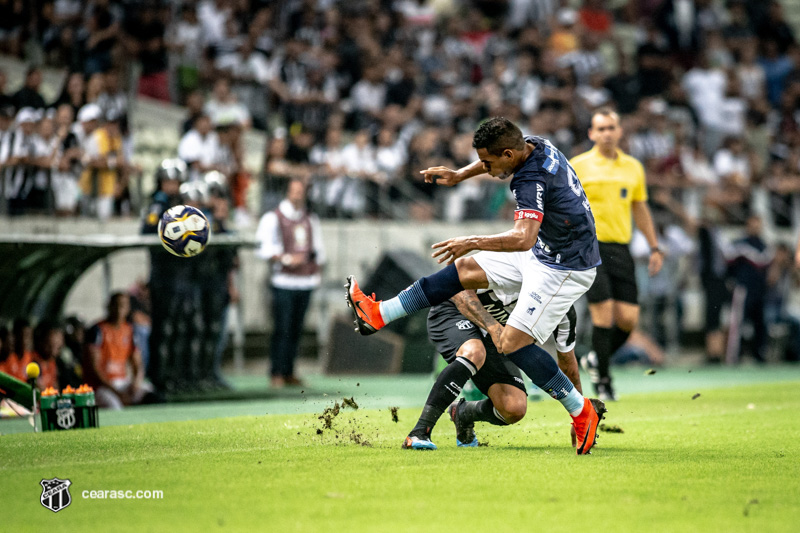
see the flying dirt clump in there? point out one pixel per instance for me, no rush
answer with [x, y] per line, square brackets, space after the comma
[349, 402]
[328, 415]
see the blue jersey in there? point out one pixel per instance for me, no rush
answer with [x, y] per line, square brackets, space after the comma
[546, 189]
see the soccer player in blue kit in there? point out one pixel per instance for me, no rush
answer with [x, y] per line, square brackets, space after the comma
[552, 263]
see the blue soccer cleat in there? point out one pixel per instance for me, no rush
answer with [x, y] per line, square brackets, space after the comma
[416, 443]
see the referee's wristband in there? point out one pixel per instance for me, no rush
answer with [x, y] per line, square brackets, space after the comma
[655, 249]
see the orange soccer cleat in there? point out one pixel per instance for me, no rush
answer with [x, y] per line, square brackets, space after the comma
[586, 423]
[366, 310]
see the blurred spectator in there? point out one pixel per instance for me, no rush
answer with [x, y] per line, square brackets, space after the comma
[200, 148]
[67, 165]
[750, 258]
[185, 41]
[368, 97]
[45, 154]
[97, 39]
[19, 162]
[144, 32]
[662, 291]
[70, 362]
[775, 28]
[776, 66]
[116, 370]
[194, 109]
[781, 281]
[22, 346]
[48, 342]
[73, 93]
[103, 180]
[223, 108]
[291, 240]
[113, 98]
[29, 95]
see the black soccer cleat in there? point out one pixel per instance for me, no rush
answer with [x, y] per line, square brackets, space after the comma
[465, 432]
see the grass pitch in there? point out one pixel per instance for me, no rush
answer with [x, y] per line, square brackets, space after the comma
[725, 461]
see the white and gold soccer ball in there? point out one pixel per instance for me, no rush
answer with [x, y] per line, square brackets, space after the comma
[184, 230]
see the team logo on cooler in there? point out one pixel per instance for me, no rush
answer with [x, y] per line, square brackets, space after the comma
[55, 494]
[528, 214]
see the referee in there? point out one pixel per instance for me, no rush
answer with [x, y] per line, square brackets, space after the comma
[615, 186]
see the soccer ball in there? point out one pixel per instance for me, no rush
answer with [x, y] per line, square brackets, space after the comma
[184, 230]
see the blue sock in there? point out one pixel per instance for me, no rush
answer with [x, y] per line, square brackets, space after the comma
[425, 292]
[545, 374]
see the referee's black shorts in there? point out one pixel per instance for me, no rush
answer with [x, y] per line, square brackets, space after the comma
[616, 277]
[448, 329]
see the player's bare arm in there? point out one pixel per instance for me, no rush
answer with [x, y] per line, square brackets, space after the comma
[470, 306]
[644, 221]
[449, 177]
[520, 238]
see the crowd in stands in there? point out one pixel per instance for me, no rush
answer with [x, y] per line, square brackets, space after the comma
[357, 96]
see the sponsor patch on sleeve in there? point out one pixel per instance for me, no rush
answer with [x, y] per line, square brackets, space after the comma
[528, 214]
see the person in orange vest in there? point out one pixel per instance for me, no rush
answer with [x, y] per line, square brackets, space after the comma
[113, 360]
[21, 343]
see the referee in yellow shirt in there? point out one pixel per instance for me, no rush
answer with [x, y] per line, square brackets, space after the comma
[615, 186]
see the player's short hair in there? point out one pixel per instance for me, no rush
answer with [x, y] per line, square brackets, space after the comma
[498, 134]
[606, 112]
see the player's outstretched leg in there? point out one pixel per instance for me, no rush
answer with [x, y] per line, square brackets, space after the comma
[371, 315]
[446, 389]
[545, 374]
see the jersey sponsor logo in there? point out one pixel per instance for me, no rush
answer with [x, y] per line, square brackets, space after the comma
[540, 197]
[531, 310]
[536, 297]
[623, 193]
[519, 380]
[463, 324]
[528, 214]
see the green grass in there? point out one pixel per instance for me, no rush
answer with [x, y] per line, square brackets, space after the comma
[726, 461]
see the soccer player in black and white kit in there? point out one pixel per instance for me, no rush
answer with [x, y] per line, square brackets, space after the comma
[465, 326]
[555, 255]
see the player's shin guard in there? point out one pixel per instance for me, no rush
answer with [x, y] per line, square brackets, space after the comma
[444, 392]
[481, 411]
[425, 292]
[545, 374]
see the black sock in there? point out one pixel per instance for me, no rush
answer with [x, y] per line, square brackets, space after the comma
[618, 338]
[480, 411]
[601, 342]
[444, 392]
